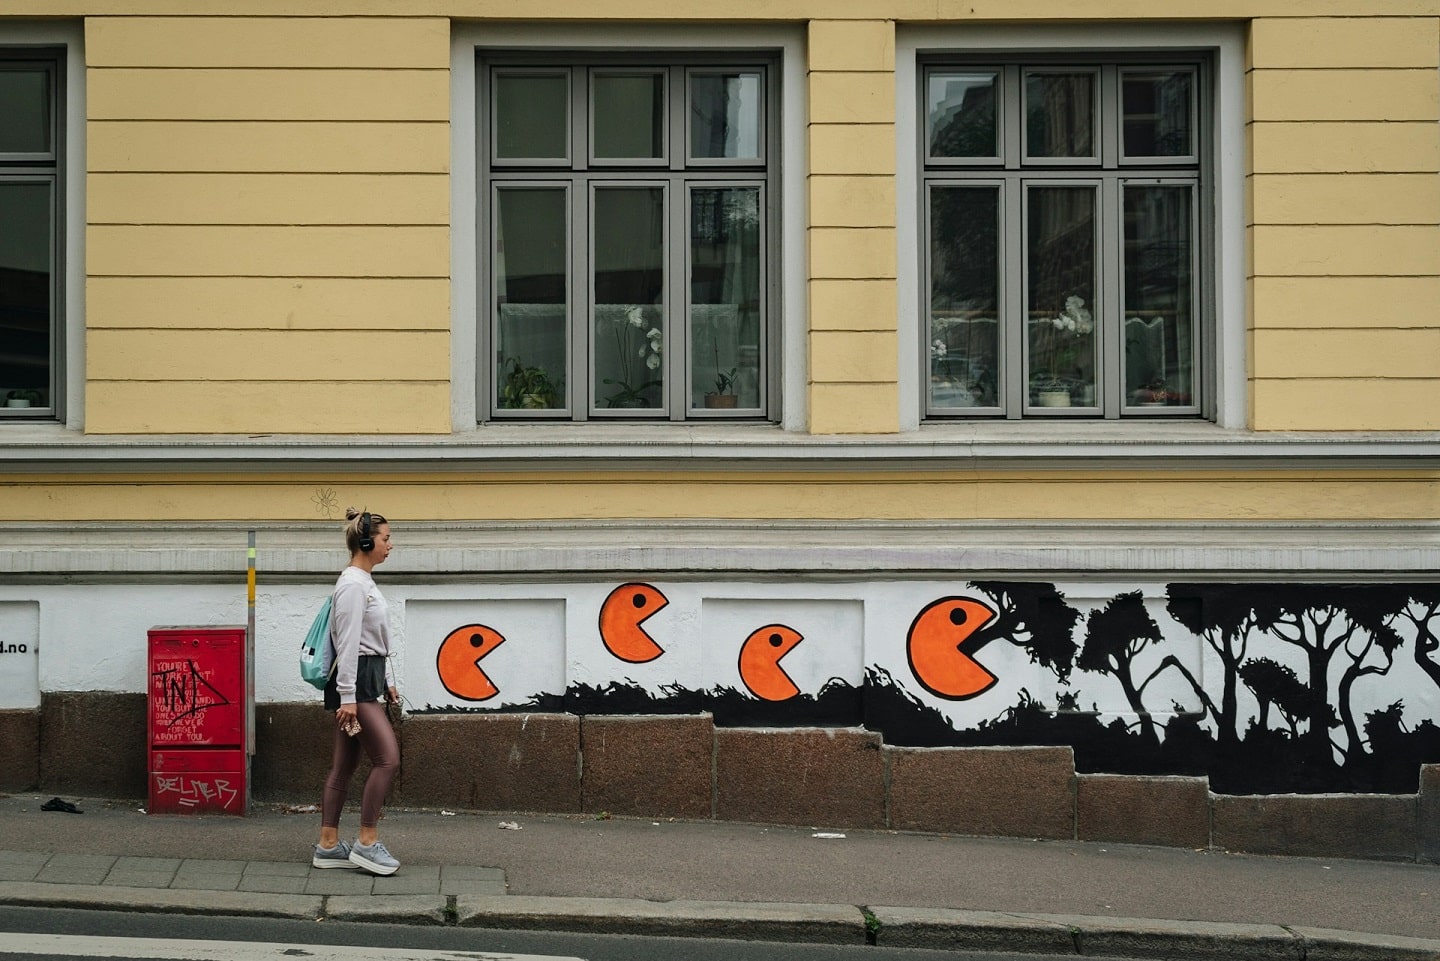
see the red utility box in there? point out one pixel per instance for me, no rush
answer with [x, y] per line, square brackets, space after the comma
[198, 719]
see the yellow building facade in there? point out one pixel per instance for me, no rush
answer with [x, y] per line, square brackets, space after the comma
[280, 283]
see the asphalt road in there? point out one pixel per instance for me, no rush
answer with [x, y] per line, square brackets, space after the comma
[262, 939]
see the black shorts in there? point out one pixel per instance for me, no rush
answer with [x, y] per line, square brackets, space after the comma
[369, 682]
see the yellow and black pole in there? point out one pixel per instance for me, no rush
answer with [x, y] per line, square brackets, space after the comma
[249, 664]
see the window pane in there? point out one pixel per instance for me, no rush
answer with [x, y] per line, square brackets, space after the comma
[629, 257]
[961, 109]
[629, 116]
[1060, 269]
[964, 296]
[532, 116]
[530, 292]
[725, 115]
[1060, 115]
[725, 297]
[1159, 322]
[1157, 113]
[24, 111]
[25, 286]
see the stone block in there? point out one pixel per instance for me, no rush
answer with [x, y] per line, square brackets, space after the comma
[1001, 792]
[647, 766]
[93, 743]
[1428, 841]
[293, 744]
[1174, 811]
[19, 750]
[1317, 825]
[493, 762]
[824, 777]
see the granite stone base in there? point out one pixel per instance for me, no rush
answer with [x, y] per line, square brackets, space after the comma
[93, 743]
[648, 766]
[491, 762]
[1006, 792]
[830, 777]
[1380, 826]
[19, 750]
[1173, 811]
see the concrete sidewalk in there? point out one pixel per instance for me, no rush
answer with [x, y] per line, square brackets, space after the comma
[718, 879]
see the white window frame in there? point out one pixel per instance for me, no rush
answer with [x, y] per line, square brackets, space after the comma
[790, 307]
[70, 176]
[1227, 154]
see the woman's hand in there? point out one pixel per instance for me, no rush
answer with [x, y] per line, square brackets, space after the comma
[346, 717]
[392, 695]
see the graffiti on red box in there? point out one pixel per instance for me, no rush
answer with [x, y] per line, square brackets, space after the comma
[181, 696]
[195, 791]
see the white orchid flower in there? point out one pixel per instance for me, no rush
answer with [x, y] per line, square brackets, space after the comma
[653, 361]
[633, 317]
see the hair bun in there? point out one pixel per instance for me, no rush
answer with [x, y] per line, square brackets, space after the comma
[351, 513]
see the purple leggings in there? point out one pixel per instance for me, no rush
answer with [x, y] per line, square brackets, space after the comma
[377, 737]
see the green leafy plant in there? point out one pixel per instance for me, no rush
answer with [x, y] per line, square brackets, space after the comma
[32, 397]
[725, 382]
[528, 388]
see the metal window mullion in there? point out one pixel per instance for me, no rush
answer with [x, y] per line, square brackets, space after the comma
[1014, 362]
[582, 298]
[677, 258]
[1110, 297]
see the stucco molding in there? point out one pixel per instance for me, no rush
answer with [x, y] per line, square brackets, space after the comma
[997, 446]
[798, 550]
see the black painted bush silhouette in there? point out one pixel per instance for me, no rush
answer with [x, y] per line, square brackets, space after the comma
[1114, 636]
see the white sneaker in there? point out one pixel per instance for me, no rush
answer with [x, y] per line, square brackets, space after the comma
[336, 857]
[373, 858]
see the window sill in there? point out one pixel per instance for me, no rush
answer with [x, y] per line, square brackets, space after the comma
[991, 446]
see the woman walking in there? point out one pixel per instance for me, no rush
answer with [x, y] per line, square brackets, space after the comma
[359, 687]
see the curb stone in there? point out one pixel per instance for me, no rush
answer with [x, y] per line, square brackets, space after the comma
[390, 909]
[160, 900]
[737, 920]
[1324, 944]
[1136, 937]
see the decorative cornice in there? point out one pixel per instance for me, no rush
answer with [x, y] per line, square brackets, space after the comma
[978, 446]
[741, 550]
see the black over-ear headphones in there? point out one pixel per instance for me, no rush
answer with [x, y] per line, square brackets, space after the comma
[367, 542]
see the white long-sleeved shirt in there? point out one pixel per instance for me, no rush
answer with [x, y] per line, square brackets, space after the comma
[358, 625]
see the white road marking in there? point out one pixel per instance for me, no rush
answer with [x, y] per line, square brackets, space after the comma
[169, 949]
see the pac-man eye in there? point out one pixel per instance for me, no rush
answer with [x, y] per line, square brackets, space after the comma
[776, 640]
[958, 615]
[638, 600]
[476, 640]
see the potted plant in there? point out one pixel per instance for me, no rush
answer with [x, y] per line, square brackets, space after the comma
[1063, 340]
[1153, 394]
[633, 384]
[23, 398]
[724, 397]
[528, 388]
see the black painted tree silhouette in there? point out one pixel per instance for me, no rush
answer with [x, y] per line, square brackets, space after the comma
[1422, 611]
[1274, 684]
[1325, 621]
[1224, 617]
[1114, 636]
[1034, 617]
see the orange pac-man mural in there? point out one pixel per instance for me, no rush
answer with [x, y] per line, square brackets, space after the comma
[627, 607]
[760, 662]
[936, 648]
[458, 661]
